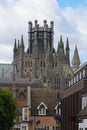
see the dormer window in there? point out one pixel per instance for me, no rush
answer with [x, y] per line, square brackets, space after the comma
[58, 108]
[42, 109]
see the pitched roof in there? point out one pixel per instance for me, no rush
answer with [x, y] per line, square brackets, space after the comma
[6, 70]
[20, 81]
[48, 97]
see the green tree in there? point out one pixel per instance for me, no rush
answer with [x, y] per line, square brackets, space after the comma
[7, 109]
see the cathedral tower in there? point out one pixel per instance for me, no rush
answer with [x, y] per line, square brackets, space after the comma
[40, 59]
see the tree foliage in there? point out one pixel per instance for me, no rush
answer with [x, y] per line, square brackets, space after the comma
[7, 109]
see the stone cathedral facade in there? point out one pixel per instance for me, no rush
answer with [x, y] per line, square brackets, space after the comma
[41, 61]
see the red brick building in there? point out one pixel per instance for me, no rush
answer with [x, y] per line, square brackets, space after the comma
[72, 99]
[38, 111]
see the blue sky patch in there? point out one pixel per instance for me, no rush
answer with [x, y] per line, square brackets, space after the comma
[72, 3]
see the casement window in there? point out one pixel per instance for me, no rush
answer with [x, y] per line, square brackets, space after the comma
[81, 129]
[42, 108]
[23, 127]
[24, 113]
[42, 128]
[55, 128]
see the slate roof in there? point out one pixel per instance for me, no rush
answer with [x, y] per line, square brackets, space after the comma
[20, 81]
[5, 81]
[6, 70]
[48, 97]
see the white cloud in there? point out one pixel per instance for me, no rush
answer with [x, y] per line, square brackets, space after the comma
[15, 14]
[5, 53]
[78, 20]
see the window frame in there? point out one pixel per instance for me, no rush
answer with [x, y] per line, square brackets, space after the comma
[42, 108]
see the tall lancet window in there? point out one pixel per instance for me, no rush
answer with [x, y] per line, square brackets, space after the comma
[57, 82]
[68, 78]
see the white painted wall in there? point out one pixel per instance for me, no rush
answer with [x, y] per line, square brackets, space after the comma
[83, 124]
[84, 102]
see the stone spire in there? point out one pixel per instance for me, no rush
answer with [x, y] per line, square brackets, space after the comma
[61, 43]
[22, 44]
[61, 39]
[60, 51]
[22, 41]
[75, 60]
[18, 43]
[67, 51]
[15, 49]
[15, 45]
[67, 44]
[60, 46]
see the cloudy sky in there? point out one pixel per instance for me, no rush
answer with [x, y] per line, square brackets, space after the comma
[69, 16]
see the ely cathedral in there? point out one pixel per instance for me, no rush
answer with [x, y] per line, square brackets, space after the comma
[44, 82]
[41, 62]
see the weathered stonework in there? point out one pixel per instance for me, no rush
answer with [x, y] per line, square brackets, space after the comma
[41, 60]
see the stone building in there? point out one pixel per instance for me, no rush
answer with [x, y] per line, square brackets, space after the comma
[45, 70]
[41, 60]
[37, 113]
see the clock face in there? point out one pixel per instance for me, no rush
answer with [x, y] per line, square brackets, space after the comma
[84, 102]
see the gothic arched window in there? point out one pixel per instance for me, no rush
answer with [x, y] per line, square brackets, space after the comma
[21, 95]
[57, 82]
[68, 78]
